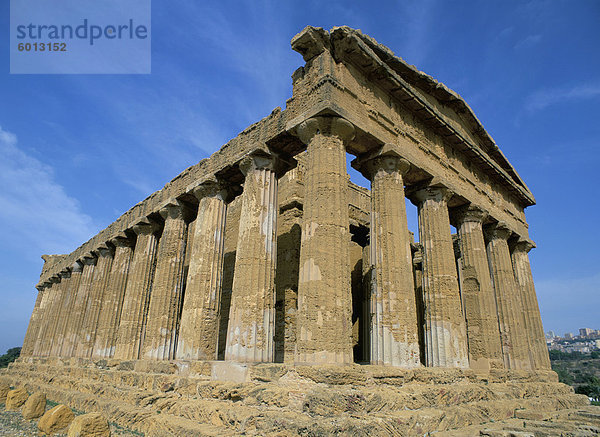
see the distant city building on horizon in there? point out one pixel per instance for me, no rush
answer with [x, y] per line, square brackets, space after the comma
[587, 341]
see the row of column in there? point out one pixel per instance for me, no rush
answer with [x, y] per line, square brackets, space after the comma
[128, 302]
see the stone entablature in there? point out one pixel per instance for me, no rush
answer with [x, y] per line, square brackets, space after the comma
[269, 253]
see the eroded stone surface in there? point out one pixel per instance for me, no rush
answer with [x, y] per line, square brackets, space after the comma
[35, 406]
[89, 425]
[56, 419]
[15, 398]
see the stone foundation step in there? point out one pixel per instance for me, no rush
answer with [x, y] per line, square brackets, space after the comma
[149, 421]
[579, 422]
[298, 410]
[317, 399]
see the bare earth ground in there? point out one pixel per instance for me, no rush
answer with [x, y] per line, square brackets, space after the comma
[12, 424]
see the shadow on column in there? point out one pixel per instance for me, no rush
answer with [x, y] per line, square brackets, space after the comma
[286, 293]
[228, 270]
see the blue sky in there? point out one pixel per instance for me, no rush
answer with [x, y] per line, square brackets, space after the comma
[76, 151]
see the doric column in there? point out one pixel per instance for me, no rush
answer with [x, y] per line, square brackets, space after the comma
[324, 323]
[43, 319]
[51, 316]
[165, 298]
[94, 302]
[445, 332]
[199, 327]
[394, 329]
[75, 323]
[63, 301]
[479, 302]
[137, 292]
[31, 334]
[68, 303]
[252, 311]
[68, 309]
[110, 313]
[508, 299]
[531, 310]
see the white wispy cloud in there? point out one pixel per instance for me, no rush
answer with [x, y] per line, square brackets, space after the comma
[546, 97]
[36, 214]
[528, 42]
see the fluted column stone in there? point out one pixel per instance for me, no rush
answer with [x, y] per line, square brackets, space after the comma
[251, 329]
[199, 327]
[112, 301]
[393, 313]
[479, 301]
[45, 316]
[531, 309]
[132, 324]
[52, 316]
[67, 307]
[167, 288]
[64, 298]
[324, 323]
[94, 302]
[76, 317]
[445, 332]
[508, 299]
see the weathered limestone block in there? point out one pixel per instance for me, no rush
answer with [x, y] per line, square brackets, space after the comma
[167, 288]
[137, 292]
[89, 425]
[531, 311]
[74, 325]
[508, 299]
[112, 302]
[199, 327]
[445, 332]
[15, 398]
[31, 334]
[35, 406]
[4, 389]
[394, 329]
[479, 302]
[65, 301]
[252, 312]
[94, 302]
[324, 324]
[56, 419]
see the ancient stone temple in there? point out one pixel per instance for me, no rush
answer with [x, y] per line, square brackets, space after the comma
[264, 266]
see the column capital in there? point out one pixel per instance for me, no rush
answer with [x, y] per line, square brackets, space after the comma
[121, 241]
[89, 259]
[499, 230]
[54, 279]
[385, 159]
[174, 209]
[430, 192]
[104, 251]
[211, 187]
[77, 267]
[335, 126]
[468, 213]
[145, 226]
[65, 274]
